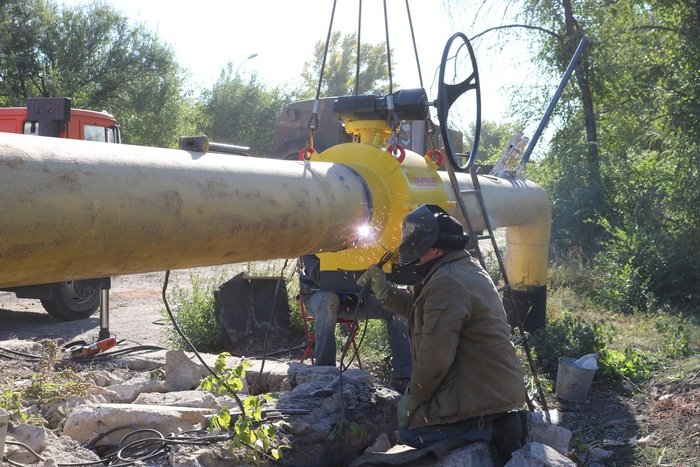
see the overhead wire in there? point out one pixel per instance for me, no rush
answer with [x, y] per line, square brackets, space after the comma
[325, 51]
[357, 58]
[388, 49]
[413, 40]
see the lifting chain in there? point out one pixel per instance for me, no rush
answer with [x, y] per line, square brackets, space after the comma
[307, 151]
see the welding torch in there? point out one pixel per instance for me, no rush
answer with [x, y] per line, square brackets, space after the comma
[362, 294]
[365, 288]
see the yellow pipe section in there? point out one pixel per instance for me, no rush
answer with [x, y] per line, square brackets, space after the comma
[76, 209]
[523, 207]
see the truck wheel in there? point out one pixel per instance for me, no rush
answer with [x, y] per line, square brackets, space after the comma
[71, 302]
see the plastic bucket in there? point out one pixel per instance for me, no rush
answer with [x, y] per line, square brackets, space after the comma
[573, 383]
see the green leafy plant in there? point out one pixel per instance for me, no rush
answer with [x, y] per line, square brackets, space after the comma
[46, 386]
[343, 428]
[572, 336]
[373, 346]
[248, 427]
[569, 335]
[628, 363]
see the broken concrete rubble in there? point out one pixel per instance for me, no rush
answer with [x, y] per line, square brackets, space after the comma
[86, 423]
[45, 443]
[551, 435]
[538, 455]
[326, 417]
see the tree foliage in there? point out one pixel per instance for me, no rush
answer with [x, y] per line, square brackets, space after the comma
[98, 58]
[642, 71]
[494, 137]
[243, 112]
[341, 65]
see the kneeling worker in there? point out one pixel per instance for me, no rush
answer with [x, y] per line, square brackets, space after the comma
[466, 380]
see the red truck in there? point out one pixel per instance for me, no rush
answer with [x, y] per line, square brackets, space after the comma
[54, 117]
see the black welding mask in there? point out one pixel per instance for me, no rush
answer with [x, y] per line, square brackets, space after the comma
[429, 226]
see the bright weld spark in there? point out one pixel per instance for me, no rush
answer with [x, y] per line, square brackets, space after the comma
[366, 235]
[364, 231]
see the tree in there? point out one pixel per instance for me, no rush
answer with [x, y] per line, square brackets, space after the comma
[20, 26]
[642, 82]
[493, 140]
[243, 113]
[340, 70]
[95, 56]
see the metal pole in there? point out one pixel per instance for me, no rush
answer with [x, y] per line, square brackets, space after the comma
[553, 102]
[104, 314]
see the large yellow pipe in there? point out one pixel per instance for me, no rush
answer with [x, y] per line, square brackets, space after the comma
[75, 209]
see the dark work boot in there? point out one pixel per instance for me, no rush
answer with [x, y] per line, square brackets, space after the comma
[508, 436]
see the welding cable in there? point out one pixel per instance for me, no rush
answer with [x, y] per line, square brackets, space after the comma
[142, 449]
[107, 356]
[16, 355]
[269, 324]
[150, 448]
[189, 343]
[92, 444]
[364, 291]
[222, 381]
[281, 351]
[353, 331]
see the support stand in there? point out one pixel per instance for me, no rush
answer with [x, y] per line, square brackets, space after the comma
[104, 314]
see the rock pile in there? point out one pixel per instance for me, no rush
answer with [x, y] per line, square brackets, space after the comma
[324, 416]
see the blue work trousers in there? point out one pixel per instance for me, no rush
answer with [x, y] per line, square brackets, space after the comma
[326, 308]
[471, 431]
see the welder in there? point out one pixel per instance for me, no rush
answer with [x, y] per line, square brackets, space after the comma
[466, 381]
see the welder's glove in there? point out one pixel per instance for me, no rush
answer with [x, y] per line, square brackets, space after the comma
[377, 281]
[407, 406]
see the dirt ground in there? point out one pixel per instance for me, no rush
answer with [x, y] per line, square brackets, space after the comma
[657, 423]
[135, 303]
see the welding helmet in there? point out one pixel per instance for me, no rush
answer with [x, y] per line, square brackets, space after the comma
[429, 226]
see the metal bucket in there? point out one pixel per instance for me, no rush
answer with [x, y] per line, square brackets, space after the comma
[573, 383]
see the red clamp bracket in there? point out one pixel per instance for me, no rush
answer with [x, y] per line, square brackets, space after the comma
[436, 156]
[305, 153]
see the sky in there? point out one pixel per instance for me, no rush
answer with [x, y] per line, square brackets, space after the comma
[208, 34]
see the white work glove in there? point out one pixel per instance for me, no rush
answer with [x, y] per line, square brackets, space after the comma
[377, 281]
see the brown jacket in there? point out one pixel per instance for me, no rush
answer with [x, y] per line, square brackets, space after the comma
[464, 364]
